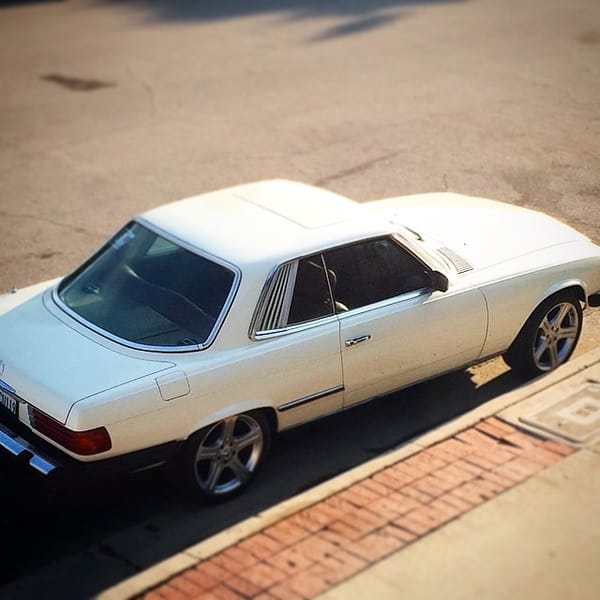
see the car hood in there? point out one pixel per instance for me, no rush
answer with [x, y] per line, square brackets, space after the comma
[52, 365]
[482, 232]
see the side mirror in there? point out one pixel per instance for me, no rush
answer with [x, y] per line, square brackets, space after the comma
[438, 281]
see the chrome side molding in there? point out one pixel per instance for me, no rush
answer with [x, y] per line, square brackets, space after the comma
[311, 398]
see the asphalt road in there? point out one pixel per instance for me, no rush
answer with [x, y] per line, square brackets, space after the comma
[110, 108]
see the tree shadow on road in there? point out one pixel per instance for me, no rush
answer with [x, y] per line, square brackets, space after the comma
[4, 3]
[358, 15]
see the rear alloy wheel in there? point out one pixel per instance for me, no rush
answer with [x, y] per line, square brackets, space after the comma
[549, 336]
[221, 459]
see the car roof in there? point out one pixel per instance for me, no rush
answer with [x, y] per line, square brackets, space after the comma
[267, 221]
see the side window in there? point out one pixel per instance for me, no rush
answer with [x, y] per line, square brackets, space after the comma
[298, 292]
[311, 298]
[372, 271]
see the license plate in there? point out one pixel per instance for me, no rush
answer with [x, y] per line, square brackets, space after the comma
[9, 403]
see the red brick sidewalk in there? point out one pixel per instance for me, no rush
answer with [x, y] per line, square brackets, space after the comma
[315, 549]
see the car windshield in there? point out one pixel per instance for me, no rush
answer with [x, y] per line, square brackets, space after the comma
[145, 289]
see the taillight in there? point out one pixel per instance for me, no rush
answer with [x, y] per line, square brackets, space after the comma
[92, 441]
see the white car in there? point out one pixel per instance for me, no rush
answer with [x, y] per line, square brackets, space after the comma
[206, 325]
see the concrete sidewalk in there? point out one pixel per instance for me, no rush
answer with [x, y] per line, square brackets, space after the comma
[501, 501]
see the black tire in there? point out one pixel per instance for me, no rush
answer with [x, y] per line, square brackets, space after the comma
[220, 460]
[549, 336]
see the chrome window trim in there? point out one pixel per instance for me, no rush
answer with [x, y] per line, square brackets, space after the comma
[237, 277]
[114, 338]
[273, 333]
[386, 302]
[422, 253]
[256, 334]
[329, 286]
[259, 309]
[269, 334]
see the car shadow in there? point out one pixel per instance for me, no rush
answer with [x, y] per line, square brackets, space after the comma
[348, 439]
[142, 519]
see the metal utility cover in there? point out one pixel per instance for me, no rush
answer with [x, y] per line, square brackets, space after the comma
[576, 418]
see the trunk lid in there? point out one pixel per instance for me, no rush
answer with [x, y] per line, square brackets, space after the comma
[52, 365]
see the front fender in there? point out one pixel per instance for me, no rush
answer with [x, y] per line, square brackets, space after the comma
[574, 283]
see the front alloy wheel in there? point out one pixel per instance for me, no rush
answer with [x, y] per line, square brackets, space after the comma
[556, 336]
[223, 457]
[549, 336]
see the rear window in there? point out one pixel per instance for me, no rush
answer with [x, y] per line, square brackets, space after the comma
[148, 290]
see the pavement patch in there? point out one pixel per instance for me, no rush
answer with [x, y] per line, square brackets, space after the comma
[589, 37]
[315, 549]
[575, 418]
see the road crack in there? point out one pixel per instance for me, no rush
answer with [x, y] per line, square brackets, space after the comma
[106, 549]
[67, 226]
[147, 87]
[365, 166]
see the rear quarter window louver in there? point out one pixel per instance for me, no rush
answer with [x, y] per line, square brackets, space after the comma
[276, 305]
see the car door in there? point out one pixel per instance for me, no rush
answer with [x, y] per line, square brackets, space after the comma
[394, 329]
[298, 355]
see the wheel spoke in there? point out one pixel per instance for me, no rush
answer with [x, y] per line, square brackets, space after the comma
[241, 472]
[228, 429]
[248, 439]
[208, 453]
[540, 349]
[216, 469]
[553, 352]
[567, 333]
[562, 313]
[546, 326]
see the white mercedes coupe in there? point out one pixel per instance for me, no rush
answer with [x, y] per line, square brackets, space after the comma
[205, 326]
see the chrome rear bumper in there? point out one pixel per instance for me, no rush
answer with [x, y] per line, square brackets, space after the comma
[55, 465]
[25, 451]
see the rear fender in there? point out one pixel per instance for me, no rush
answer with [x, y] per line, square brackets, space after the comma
[237, 409]
[16, 297]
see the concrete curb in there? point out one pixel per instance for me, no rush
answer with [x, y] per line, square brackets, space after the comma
[189, 557]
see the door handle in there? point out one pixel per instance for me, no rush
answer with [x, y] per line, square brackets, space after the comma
[357, 340]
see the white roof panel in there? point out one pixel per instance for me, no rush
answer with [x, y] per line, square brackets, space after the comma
[304, 205]
[268, 221]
